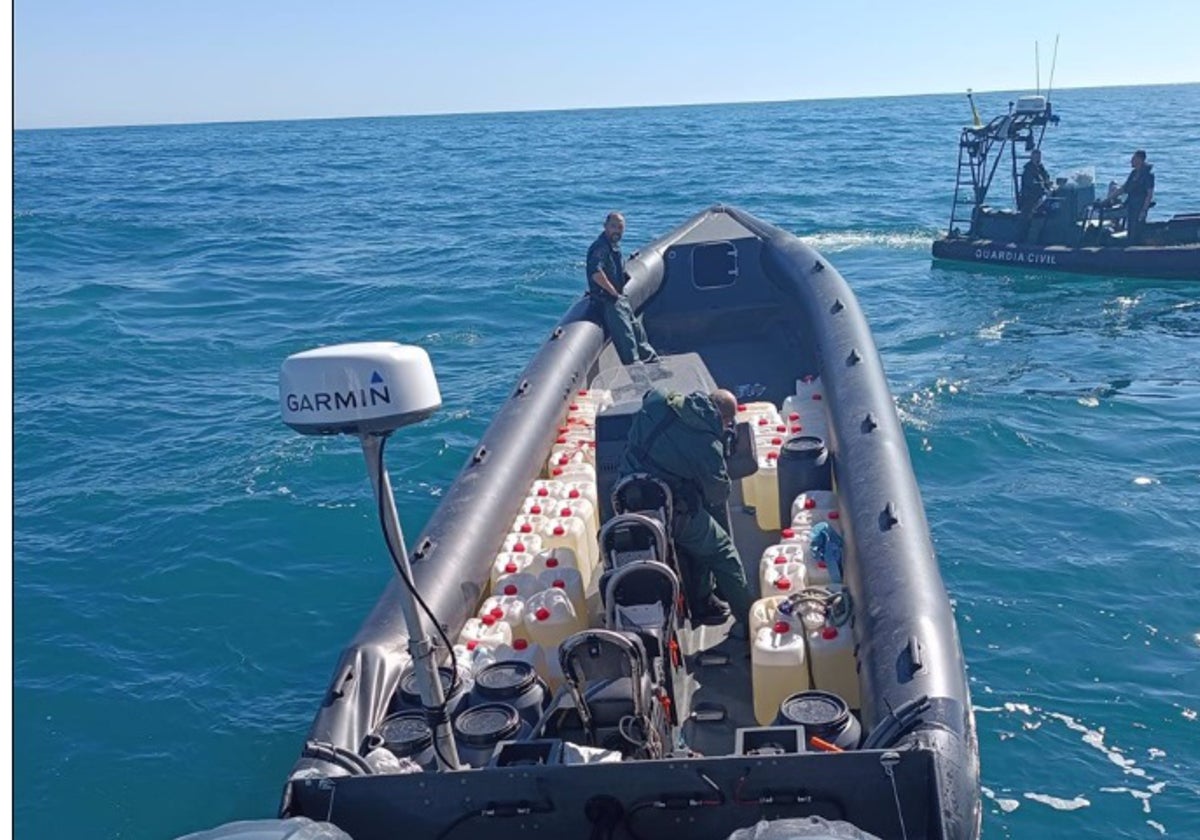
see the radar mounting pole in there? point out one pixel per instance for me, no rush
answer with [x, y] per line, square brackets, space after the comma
[1037, 69]
[420, 644]
[1053, 64]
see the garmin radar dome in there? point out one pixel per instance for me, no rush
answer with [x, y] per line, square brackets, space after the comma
[367, 387]
[369, 390]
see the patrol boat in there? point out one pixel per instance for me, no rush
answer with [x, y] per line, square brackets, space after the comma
[1071, 230]
[561, 689]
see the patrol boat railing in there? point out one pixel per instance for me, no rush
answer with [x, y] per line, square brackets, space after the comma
[981, 148]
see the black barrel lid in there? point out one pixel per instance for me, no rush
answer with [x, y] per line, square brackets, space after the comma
[802, 446]
[406, 733]
[815, 709]
[486, 725]
[504, 679]
[408, 683]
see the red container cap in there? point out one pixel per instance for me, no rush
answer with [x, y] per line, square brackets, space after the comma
[781, 428]
[810, 503]
[543, 492]
[741, 406]
[797, 428]
[511, 589]
[772, 455]
[794, 416]
[763, 421]
[561, 439]
[833, 514]
[510, 568]
[821, 564]
[783, 583]
[582, 392]
[535, 509]
[497, 613]
[781, 627]
[556, 471]
[526, 528]
[559, 584]
[559, 530]
[564, 460]
[780, 559]
[573, 406]
[542, 614]
[488, 620]
[829, 633]
[471, 645]
[565, 512]
[787, 533]
[552, 562]
[574, 494]
[520, 644]
[519, 547]
[777, 441]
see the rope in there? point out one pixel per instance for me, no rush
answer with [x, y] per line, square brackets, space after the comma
[887, 760]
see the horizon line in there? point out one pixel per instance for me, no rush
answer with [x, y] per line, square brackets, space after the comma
[565, 109]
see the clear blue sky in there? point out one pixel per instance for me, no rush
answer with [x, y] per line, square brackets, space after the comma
[105, 62]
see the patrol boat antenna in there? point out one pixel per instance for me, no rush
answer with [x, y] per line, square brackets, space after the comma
[370, 390]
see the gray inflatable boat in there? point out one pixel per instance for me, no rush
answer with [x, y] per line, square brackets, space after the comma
[847, 713]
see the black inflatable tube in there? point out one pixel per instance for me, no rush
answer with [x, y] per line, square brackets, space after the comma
[907, 639]
[450, 556]
[1168, 262]
[480, 505]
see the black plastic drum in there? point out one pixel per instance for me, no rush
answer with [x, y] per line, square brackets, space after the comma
[407, 735]
[822, 714]
[409, 698]
[804, 464]
[513, 682]
[479, 729]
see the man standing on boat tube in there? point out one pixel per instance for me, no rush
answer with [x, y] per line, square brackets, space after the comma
[606, 283]
[680, 439]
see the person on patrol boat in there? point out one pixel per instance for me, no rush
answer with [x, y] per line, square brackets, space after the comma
[1138, 190]
[1035, 186]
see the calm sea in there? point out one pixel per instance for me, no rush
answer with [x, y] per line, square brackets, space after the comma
[187, 569]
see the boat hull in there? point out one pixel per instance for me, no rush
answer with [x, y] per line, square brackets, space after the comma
[1173, 262]
[921, 746]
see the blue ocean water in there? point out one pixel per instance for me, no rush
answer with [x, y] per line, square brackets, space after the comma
[186, 569]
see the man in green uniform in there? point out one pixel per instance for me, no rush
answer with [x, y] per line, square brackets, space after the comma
[606, 283]
[681, 440]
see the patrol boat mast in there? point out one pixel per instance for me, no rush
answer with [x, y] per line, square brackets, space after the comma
[981, 149]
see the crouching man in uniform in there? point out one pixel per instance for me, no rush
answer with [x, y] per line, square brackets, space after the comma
[680, 439]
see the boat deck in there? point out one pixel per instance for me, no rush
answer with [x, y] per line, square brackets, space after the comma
[726, 682]
[718, 667]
